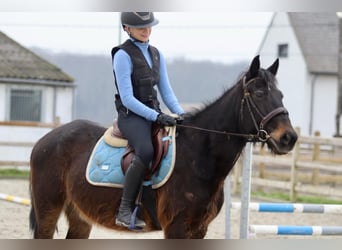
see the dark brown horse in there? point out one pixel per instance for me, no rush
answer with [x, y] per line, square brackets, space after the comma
[252, 110]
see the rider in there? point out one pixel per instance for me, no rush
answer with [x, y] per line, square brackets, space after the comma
[138, 67]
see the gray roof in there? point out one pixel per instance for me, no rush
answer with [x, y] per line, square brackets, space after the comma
[17, 62]
[318, 37]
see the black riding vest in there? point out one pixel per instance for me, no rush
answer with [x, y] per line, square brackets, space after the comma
[143, 77]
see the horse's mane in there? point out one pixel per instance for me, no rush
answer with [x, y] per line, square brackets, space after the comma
[195, 112]
[232, 92]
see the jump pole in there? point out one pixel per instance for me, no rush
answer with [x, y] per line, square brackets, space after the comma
[246, 190]
[245, 194]
[295, 230]
[15, 199]
[291, 208]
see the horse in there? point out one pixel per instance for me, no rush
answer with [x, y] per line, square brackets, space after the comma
[209, 142]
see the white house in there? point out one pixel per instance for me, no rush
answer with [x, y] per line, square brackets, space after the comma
[307, 46]
[33, 95]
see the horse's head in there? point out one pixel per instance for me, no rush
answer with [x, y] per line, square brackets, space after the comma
[262, 110]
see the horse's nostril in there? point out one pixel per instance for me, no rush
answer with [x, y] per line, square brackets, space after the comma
[289, 138]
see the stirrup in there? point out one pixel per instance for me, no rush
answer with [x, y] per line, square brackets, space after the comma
[132, 225]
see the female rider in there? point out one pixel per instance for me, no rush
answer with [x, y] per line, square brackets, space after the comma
[139, 67]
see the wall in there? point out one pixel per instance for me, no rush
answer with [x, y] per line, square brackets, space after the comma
[2, 101]
[56, 102]
[325, 105]
[292, 74]
[19, 134]
[64, 104]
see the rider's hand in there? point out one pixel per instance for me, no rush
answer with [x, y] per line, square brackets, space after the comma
[180, 119]
[166, 120]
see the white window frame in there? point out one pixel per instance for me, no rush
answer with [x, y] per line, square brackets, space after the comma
[23, 88]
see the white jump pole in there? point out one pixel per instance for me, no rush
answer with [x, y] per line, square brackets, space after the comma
[246, 190]
[227, 201]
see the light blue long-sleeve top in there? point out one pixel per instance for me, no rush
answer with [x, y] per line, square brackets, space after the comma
[123, 69]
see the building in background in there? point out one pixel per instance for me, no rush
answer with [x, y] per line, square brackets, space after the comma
[35, 96]
[307, 46]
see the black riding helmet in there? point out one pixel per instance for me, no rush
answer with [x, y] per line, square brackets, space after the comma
[138, 19]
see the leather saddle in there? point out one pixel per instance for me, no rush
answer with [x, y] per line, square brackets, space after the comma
[160, 146]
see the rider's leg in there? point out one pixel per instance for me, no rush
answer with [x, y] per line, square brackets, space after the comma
[133, 180]
[138, 132]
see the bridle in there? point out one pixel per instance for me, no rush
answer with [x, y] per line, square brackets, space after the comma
[261, 135]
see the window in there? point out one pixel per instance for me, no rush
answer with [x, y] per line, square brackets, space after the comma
[283, 50]
[25, 105]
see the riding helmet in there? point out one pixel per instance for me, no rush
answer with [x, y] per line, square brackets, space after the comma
[138, 19]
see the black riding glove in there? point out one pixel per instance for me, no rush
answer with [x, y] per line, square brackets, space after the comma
[180, 119]
[165, 120]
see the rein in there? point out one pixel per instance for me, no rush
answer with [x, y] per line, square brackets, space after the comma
[249, 137]
[261, 135]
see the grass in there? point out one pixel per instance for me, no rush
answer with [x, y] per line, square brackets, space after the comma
[300, 199]
[14, 173]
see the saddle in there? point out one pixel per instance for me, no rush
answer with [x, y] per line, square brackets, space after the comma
[114, 137]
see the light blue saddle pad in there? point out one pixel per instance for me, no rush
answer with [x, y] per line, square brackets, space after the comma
[104, 167]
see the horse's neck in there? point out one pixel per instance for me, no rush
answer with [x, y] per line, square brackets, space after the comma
[222, 115]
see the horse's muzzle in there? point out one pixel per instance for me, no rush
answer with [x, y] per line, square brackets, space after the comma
[282, 143]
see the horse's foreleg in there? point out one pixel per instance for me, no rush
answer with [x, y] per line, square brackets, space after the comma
[179, 229]
[176, 229]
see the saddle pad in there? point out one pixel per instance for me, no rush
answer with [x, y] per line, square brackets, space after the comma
[113, 141]
[104, 165]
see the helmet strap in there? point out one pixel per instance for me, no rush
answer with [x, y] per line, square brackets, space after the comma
[134, 39]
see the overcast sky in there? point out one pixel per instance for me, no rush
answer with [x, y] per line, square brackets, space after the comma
[217, 36]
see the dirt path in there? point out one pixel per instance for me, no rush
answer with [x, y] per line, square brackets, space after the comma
[14, 223]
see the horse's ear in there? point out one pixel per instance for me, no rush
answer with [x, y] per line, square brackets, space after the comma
[254, 67]
[274, 67]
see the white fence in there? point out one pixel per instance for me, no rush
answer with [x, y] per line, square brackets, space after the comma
[17, 140]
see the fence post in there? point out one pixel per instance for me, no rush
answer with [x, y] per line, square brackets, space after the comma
[294, 168]
[315, 157]
[246, 190]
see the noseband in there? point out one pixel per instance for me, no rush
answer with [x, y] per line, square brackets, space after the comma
[262, 135]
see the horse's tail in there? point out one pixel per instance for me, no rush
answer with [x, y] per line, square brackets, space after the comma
[33, 220]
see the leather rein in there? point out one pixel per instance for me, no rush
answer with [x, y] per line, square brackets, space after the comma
[261, 135]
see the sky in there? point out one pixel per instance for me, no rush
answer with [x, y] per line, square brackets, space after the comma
[216, 36]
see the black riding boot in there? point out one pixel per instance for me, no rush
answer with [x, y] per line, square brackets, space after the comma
[133, 181]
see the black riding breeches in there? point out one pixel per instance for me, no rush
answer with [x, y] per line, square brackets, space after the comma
[138, 132]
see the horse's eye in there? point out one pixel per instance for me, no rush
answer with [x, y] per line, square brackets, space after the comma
[259, 93]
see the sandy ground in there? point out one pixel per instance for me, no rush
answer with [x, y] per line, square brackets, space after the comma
[14, 221]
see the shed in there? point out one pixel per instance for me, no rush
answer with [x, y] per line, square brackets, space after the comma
[35, 96]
